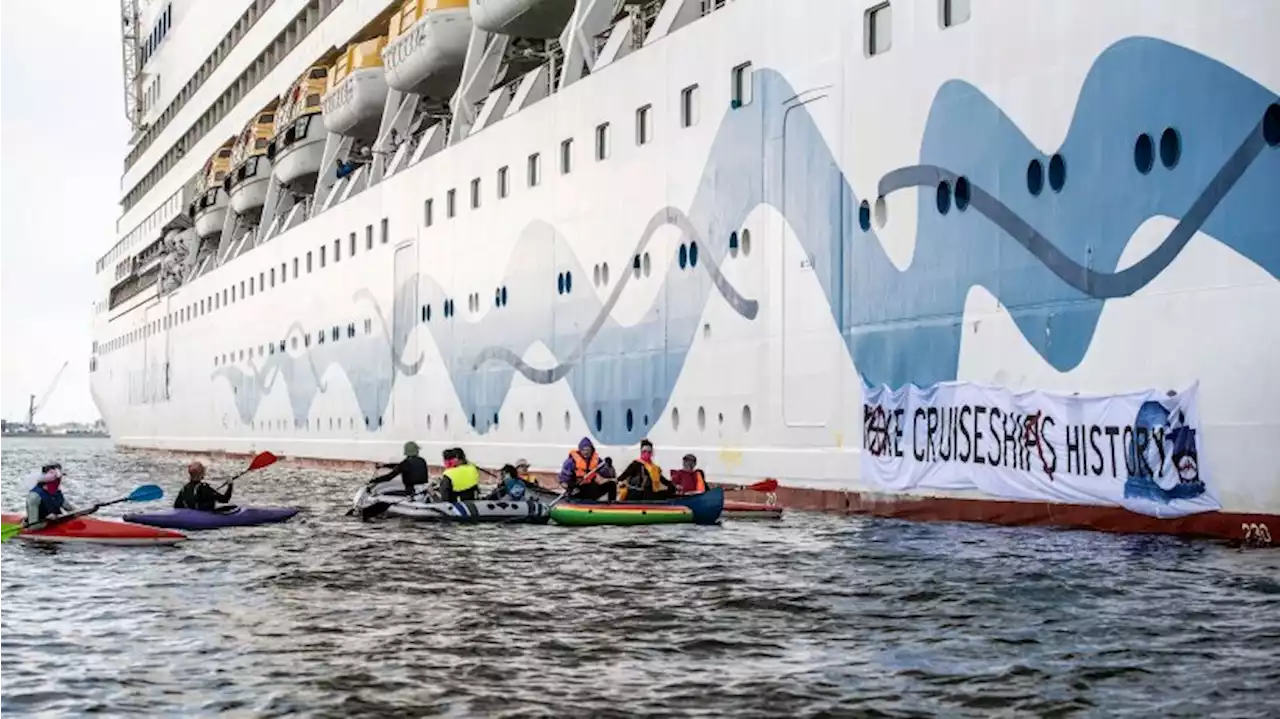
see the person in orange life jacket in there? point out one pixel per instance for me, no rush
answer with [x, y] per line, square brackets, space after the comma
[195, 494]
[461, 480]
[643, 478]
[45, 500]
[584, 476]
[689, 479]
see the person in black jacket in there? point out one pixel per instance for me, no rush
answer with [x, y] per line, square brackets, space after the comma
[196, 494]
[412, 469]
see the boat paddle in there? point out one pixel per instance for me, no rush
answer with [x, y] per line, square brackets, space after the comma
[259, 461]
[144, 493]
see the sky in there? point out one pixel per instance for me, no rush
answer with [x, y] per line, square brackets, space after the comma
[62, 146]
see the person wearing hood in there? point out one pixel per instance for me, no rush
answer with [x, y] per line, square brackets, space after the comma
[461, 481]
[412, 469]
[45, 500]
[585, 476]
[197, 494]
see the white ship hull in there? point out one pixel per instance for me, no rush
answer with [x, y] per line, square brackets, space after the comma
[756, 356]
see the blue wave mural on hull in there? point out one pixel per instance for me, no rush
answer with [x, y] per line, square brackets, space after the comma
[1050, 257]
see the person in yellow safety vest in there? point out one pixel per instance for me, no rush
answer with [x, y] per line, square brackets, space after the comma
[689, 479]
[461, 479]
[643, 478]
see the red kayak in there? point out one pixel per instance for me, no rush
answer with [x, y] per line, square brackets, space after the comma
[752, 510]
[91, 530]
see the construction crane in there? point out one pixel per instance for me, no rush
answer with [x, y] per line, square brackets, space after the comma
[33, 406]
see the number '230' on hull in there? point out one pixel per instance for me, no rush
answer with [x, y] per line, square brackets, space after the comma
[1013, 262]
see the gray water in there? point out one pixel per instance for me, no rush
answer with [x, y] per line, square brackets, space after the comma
[812, 616]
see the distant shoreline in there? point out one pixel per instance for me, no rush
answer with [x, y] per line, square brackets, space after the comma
[51, 435]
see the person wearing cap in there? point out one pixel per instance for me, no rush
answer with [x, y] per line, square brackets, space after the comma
[689, 479]
[197, 494]
[45, 500]
[412, 469]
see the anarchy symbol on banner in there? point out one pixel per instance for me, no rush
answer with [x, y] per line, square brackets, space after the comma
[771, 499]
[878, 429]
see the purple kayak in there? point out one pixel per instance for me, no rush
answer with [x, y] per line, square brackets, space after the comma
[223, 517]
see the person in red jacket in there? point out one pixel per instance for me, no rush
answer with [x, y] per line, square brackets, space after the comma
[689, 479]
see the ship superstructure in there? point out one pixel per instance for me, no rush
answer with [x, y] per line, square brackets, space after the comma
[824, 241]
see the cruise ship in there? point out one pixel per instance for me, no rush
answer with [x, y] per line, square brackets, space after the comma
[1010, 262]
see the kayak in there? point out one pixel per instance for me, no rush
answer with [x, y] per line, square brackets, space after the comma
[91, 530]
[222, 517]
[752, 510]
[424, 509]
[704, 508]
[619, 513]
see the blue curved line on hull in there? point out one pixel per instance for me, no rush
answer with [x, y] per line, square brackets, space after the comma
[1050, 259]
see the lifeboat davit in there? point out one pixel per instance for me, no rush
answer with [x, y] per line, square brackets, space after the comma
[246, 182]
[428, 47]
[297, 149]
[357, 91]
[541, 19]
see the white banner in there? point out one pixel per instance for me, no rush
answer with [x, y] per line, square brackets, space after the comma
[1140, 451]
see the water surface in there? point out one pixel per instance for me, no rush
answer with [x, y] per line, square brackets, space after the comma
[812, 616]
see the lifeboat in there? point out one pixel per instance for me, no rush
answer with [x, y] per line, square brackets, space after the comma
[540, 19]
[297, 148]
[246, 183]
[209, 208]
[427, 47]
[357, 90]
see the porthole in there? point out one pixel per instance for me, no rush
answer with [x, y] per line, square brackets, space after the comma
[568, 282]
[648, 266]
[962, 193]
[495, 419]
[881, 213]
[684, 257]
[537, 421]
[566, 420]
[473, 420]
[1057, 173]
[446, 422]
[1035, 177]
[646, 420]
[720, 418]
[1170, 148]
[746, 242]
[560, 284]
[599, 420]
[428, 423]
[1144, 156]
[504, 295]
[693, 254]
[1271, 124]
[635, 267]
[630, 420]
[864, 216]
[733, 244]
[702, 418]
[497, 298]
[604, 274]
[746, 416]
[595, 275]
[521, 421]
[944, 197]
[675, 418]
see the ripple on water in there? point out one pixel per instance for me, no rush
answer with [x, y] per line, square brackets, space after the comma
[814, 616]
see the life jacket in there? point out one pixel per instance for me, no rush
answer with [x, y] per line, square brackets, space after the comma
[655, 474]
[689, 482]
[50, 502]
[583, 466]
[463, 477]
[515, 488]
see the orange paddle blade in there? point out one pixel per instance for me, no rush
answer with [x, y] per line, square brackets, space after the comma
[262, 459]
[764, 485]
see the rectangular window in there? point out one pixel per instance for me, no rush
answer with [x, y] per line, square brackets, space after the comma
[475, 193]
[952, 12]
[262, 282]
[602, 141]
[322, 254]
[351, 246]
[504, 184]
[741, 81]
[368, 237]
[451, 203]
[386, 231]
[643, 124]
[566, 156]
[308, 261]
[535, 170]
[233, 291]
[251, 291]
[273, 277]
[283, 273]
[689, 106]
[878, 33]
[427, 211]
[337, 250]
[295, 268]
